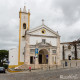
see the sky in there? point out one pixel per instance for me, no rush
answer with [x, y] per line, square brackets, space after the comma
[60, 15]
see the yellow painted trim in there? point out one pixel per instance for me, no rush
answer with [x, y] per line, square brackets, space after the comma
[43, 30]
[54, 62]
[13, 66]
[28, 20]
[20, 63]
[13, 71]
[19, 39]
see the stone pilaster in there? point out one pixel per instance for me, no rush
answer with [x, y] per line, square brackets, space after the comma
[50, 58]
[27, 51]
[58, 51]
[36, 61]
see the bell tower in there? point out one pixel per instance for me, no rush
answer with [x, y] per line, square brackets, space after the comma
[24, 24]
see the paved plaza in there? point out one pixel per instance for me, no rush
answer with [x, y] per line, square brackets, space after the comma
[59, 74]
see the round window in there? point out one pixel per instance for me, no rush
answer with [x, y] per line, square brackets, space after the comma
[43, 31]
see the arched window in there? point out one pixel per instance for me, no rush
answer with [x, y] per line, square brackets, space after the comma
[24, 26]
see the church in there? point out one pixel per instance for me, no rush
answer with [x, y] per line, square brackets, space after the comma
[37, 46]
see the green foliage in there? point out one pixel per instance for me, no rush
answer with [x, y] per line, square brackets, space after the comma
[5, 66]
[3, 54]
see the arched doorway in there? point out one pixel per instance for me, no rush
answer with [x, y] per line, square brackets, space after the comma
[43, 56]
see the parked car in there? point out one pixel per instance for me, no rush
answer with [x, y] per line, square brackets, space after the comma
[2, 69]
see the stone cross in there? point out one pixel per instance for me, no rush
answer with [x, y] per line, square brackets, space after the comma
[42, 21]
[24, 3]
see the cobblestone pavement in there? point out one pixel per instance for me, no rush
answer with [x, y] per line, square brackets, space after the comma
[59, 74]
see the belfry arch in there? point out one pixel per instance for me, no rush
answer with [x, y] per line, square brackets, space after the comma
[43, 56]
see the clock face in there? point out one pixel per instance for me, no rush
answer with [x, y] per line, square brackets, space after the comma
[43, 31]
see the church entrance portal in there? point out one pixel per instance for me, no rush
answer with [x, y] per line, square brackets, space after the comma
[43, 56]
[40, 58]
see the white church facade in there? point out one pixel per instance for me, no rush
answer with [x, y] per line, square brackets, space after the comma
[40, 45]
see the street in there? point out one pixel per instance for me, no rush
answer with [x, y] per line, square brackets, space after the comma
[59, 74]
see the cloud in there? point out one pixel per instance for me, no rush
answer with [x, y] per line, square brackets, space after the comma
[59, 15]
[9, 24]
[71, 10]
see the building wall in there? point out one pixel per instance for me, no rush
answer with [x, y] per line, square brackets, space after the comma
[34, 39]
[24, 19]
[13, 56]
[22, 49]
[69, 51]
[47, 33]
[78, 53]
[61, 52]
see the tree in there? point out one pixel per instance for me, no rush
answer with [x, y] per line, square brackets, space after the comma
[3, 55]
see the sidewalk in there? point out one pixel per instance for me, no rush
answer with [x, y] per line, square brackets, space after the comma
[40, 71]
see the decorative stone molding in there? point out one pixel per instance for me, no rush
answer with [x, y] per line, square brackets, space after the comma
[58, 52]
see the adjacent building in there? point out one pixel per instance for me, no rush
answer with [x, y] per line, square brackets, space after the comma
[70, 50]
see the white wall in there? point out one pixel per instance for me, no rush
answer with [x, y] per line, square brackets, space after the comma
[22, 49]
[13, 56]
[61, 55]
[67, 53]
[24, 19]
[34, 39]
[78, 53]
[47, 33]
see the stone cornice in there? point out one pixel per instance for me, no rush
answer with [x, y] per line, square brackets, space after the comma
[34, 46]
[45, 27]
[23, 12]
[43, 36]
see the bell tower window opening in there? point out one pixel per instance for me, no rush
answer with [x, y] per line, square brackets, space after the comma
[24, 26]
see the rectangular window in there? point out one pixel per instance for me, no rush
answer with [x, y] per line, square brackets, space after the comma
[43, 41]
[31, 60]
[54, 51]
[32, 50]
